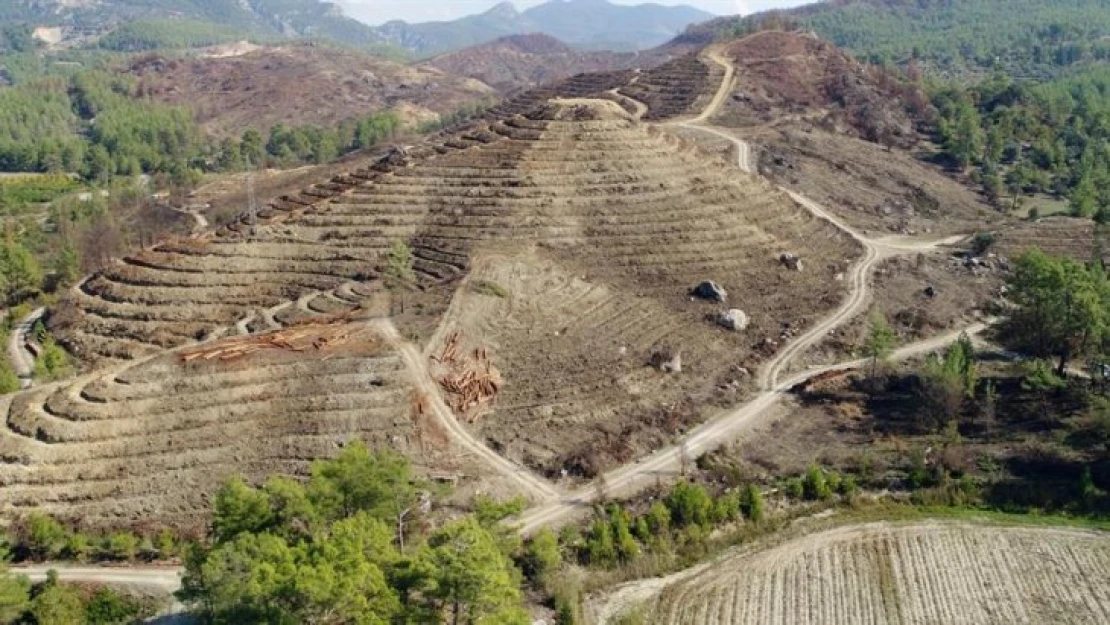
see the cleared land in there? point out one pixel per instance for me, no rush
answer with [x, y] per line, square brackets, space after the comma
[882, 573]
[299, 84]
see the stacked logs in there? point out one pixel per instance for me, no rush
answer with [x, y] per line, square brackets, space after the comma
[471, 382]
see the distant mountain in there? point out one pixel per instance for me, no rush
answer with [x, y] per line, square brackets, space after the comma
[587, 24]
[252, 18]
[522, 61]
[145, 24]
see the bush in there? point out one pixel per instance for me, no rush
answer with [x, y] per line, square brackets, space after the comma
[44, 537]
[814, 484]
[543, 557]
[752, 503]
[485, 287]
[121, 545]
[795, 489]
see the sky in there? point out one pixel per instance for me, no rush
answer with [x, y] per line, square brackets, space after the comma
[378, 11]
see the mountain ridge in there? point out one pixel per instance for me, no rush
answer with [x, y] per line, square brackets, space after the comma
[585, 24]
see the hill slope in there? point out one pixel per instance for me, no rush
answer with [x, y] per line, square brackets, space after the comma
[297, 85]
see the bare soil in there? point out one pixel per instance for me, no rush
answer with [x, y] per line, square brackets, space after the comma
[932, 572]
[920, 296]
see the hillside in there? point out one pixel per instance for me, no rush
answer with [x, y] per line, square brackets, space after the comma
[231, 90]
[589, 24]
[522, 61]
[1022, 37]
[568, 208]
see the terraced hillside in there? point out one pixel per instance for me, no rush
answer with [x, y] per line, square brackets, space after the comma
[595, 226]
[148, 442]
[926, 573]
[676, 87]
[1081, 239]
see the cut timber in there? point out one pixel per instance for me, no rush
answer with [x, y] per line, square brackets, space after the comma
[471, 383]
[317, 336]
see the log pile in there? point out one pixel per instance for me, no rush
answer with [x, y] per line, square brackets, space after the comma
[315, 336]
[471, 382]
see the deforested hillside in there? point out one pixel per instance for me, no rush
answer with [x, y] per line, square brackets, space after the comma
[783, 76]
[850, 135]
[567, 242]
[297, 85]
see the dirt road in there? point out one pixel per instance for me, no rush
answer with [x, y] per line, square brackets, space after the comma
[162, 579]
[537, 488]
[200, 222]
[23, 361]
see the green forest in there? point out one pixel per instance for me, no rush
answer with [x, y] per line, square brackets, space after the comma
[1023, 138]
[1025, 38]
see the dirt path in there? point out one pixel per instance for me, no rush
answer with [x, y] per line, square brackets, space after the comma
[167, 580]
[537, 488]
[23, 361]
[200, 222]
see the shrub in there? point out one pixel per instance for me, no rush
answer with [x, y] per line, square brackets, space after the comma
[752, 503]
[485, 287]
[543, 557]
[795, 489]
[45, 537]
[814, 485]
[121, 545]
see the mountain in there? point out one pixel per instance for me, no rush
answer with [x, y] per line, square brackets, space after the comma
[151, 24]
[588, 24]
[255, 18]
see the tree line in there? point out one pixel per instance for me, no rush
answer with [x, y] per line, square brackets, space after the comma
[1023, 138]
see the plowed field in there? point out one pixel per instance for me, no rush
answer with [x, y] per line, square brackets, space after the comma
[925, 573]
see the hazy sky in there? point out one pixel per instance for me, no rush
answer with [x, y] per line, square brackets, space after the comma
[378, 11]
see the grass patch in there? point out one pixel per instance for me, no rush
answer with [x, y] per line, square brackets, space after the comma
[492, 289]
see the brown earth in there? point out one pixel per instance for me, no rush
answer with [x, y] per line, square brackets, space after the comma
[297, 85]
[921, 297]
[927, 572]
[790, 75]
[146, 444]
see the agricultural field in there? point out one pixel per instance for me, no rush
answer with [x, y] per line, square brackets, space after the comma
[932, 572]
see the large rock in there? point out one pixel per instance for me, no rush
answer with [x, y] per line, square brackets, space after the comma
[735, 320]
[711, 291]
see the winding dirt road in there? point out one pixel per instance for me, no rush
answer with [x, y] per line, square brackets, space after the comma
[23, 361]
